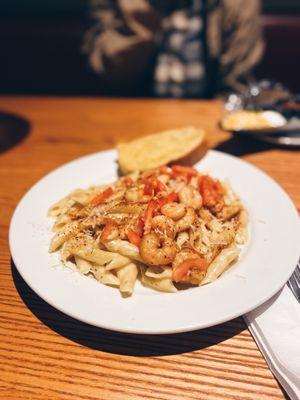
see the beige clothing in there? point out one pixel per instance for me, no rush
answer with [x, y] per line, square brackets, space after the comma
[121, 47]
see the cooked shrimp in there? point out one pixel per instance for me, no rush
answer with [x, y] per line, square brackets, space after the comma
[154, 252]
[205, 215]
[186, 221]
[145, 199]
[229, 212]
[133, 195]
[189, 266]
[163, 226]
[190, 197]
[110, 232]
[184, 254]
[173, 210]
[225, 237]
[123, 231]
[176, 185]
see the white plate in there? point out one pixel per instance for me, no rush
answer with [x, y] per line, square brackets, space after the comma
[266, 263]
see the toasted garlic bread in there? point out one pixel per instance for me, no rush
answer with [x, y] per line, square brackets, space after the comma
[185, 146]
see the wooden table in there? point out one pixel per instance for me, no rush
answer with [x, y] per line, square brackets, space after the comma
[48, 355]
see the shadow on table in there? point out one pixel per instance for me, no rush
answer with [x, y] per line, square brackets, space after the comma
[121, 343]
[241, 146]
[13, 129]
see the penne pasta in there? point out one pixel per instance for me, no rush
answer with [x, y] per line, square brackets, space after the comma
[83, 265]
[60, 207]
[220, 264]
[65, 254]
[96, 256]
[125, 248]
[127, 276]
[162, 285]
[118, 262]
[159, 273]
[61, 223]
[105, 277]
[63, 235]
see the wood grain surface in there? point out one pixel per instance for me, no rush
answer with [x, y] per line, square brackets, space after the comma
[45, 354]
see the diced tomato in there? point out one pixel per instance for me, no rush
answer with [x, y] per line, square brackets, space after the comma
[134, 238]
[149, 214]
[167, 199]
[107, 231]
[181, 169]
[148, 189]
[172, 197]
[127, 180]
[211, 190]
[101, 197]
[159, 186]
[184, 173]
[135, 235]
[182, 270]
[183, 177]
[153, 185]
[140, 226]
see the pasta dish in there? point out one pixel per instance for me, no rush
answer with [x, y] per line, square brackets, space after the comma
[169, 227]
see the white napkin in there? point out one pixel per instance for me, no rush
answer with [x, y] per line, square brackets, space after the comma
[275, 327]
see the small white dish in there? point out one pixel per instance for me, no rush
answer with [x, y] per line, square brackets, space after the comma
[265, 265]
[275, 120]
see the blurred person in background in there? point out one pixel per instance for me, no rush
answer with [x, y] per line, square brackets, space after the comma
[174, 48]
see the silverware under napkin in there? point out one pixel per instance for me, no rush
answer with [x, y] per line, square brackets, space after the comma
[294, 282]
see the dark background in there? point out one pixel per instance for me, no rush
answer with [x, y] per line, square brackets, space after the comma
[40, 43]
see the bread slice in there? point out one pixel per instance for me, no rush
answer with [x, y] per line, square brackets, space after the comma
[183, 146]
